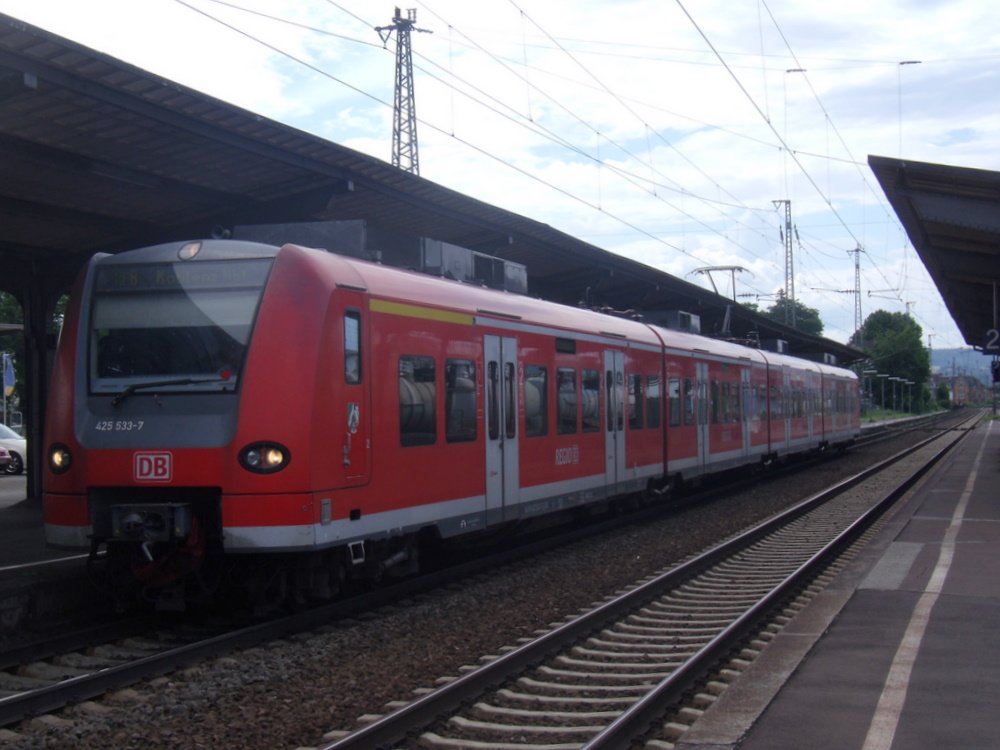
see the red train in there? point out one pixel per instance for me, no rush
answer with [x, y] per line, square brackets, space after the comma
[220, 397]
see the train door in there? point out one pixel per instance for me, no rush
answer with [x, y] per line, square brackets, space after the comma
[786, 407]
[744, 407]
[502, 469]
[810, 396]
[614, 440]
[704, 444]
[357, 414]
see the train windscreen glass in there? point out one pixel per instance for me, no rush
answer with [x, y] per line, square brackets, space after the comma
[173, 326]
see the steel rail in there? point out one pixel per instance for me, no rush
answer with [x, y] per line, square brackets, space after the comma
[425, 710]
[636, 721]
[34, 702]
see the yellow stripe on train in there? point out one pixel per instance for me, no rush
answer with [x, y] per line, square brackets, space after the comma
[419, 311]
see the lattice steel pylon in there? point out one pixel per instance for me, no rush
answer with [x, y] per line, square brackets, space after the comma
[856, 252]
[786, 237]
[404, 110]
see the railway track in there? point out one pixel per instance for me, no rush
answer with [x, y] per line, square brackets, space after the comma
[621, 671]
[47, 676]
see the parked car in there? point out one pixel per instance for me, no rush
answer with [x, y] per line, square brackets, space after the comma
[16, 448]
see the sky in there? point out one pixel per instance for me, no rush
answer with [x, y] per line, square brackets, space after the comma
[672, 132]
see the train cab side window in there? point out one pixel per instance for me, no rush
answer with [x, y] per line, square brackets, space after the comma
[417, 401]
[352, 347]
[566, 402]
[653, 401]
[536, 406]
[591, 400]
[634, 402]
[460, 400]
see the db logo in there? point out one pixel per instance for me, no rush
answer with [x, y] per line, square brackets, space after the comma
[152, 467]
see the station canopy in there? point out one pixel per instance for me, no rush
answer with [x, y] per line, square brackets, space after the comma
[952, 217]
[98, 155]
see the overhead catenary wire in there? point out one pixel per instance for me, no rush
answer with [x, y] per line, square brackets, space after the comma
[479, 149]
[643, 180]
[770, 125]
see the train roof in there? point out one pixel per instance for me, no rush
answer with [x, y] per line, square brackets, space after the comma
[416, 288]
[685, 342]
[205, 167]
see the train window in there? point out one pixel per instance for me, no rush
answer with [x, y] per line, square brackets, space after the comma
[674, 394]
[566, 401]
[591, 400]
[459, 400]
[635, 402]
[615, 386]
[566, 346]
[493, 399]
[510, 413]
[417, 401]
[653, 401]
[352, 347]
[184, 326]
[715, 401]
[688, 401]
[609, 384]
[776, 410]
[536, 407]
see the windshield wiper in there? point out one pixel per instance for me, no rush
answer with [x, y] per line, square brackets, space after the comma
[119, 397]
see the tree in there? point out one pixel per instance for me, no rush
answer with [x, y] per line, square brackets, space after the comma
[894, 343]
[942, 396]
[807, 319]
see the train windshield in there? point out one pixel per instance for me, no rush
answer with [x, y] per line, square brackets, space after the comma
[173, 326]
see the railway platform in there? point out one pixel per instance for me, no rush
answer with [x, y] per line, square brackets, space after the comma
[900, 650]
[22, 537]
[38, 585]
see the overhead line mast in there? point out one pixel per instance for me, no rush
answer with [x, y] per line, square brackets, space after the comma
[786, 238]
[404, 110]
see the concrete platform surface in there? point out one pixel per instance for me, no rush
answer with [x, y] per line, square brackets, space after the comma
[901, 651]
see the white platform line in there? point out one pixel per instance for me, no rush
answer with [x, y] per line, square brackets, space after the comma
[890, 705]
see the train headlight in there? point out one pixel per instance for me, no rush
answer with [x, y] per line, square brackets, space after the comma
[60, 458]
[264, 458]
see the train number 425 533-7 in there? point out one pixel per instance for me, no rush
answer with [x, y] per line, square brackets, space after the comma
[118, 425]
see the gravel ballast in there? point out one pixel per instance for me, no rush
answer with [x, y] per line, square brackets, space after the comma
[289, 693]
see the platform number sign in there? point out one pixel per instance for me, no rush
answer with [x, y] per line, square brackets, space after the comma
[991, 345]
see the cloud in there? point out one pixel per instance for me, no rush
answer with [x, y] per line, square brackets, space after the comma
[656, 134]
